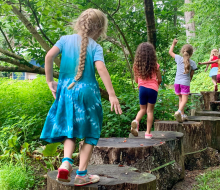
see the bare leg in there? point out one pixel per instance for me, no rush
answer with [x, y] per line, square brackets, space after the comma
[85, 154]
[183, 103]
[214, 80]
[69, 147]
[180, 99]
[150, 117]
[141, 113]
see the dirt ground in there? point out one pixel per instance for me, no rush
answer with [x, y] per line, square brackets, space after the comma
[189, 182]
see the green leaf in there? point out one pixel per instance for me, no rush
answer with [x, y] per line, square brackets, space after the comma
[12, 141]
[50, 149]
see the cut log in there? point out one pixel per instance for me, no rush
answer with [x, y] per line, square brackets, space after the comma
[198, 103]
[208, 113]
[215, 106]
[212, 129]
[194, 142]
[210, 97]
[112, 177]
[152, 155]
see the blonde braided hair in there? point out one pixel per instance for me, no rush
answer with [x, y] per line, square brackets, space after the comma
[91, 23]
[186, 51]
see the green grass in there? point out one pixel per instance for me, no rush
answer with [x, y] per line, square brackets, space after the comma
[16, 177]
[209, 181]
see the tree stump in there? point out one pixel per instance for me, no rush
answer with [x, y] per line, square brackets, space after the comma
[197, 155]
[151, 155]
[112, 177]
[212, 129]
[198, 103]
[208, 113]
[210, 97]
[215, 106]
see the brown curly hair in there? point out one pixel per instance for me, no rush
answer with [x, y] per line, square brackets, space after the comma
[145, 63]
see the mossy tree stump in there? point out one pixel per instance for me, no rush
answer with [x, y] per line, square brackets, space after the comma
[197, 155]
[212, 129]
[215, 106]
[210, 97]
[112, 177]
[208, 113]
[151, 155]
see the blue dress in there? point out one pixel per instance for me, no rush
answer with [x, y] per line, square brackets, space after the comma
[76, 112]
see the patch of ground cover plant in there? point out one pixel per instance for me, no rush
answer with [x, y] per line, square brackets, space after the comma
[210, 180]
[23, 109]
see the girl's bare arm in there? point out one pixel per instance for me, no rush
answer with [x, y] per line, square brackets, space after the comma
[159, 77]
[103, 73]
[172, 48]
[208, 62]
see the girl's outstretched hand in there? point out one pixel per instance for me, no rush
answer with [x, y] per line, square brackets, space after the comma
[53, 87]
[175, 41]
[115, 103]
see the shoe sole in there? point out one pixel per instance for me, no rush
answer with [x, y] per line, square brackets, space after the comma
[134, 129]
[63, 175]
[178, 118]
[86, 183]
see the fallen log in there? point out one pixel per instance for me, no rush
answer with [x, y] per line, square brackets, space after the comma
[112, 177]
[208, 113]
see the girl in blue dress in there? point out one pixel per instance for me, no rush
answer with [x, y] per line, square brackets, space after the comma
[77, 110]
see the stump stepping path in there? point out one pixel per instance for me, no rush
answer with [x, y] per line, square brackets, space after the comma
[215, 106]
[112, 177]
[156, 156]
[196, 153]
[210, 97]
[208, 113]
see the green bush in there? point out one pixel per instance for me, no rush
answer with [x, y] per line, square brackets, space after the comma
[16, 177]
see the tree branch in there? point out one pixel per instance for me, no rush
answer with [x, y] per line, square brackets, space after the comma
[38, 24]
[118, 28]
[117, 8]
[33, 31]
[6, 39]
[118, 44]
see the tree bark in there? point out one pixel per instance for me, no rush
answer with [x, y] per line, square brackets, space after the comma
[198, 103]
[145, 155]
[212, 129]
[112, 177]
[197, 155]
[207, 113]
[210, 97]
[190, 26]
[151, 29]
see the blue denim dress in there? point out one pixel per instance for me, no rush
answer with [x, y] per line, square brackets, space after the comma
[76, 113]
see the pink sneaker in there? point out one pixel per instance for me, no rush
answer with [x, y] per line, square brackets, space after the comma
[148, 136]
[134, 128]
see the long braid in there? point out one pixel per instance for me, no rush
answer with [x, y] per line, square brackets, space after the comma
[86, 26]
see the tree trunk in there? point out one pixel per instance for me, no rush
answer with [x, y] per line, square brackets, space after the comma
[197, 156]
[210, 97]
[145, 155]
[151, 29]
[112, 177]
[190, 26]
[212, 129]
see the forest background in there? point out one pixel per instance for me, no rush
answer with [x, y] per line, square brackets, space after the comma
[29, 28]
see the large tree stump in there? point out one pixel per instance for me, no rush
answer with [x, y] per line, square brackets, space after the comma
[112, 177]
[210, 97]
[197, 155]
[152, 155]
[212, 129]
[198, 102]
[215, 106]
[208, 113]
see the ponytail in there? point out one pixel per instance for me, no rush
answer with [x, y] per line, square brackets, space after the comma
[186, 62]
